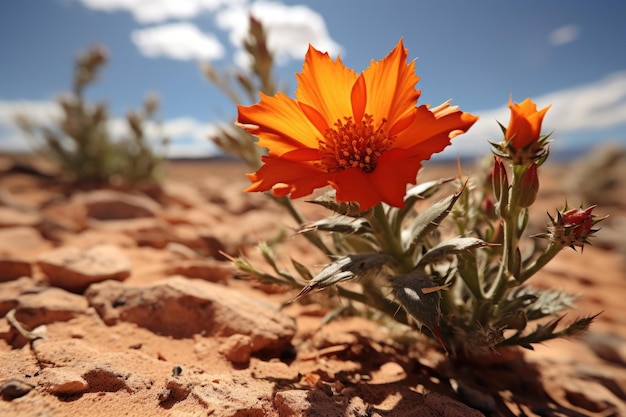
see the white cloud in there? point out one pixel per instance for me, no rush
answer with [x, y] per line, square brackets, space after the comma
[12, 139]
[591, 108]
[290, 29]
[182, 41]
[597, 106]
[564, 34]
[156, 11]
[188, 137]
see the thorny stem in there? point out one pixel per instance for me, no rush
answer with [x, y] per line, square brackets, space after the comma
[552, 250]
[390, 242]
[510, 221]
[310, 236]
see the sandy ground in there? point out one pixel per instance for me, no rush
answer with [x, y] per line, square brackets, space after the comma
[176, 332]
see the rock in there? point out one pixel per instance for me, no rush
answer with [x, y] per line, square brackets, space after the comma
[11, 269]
[65, 215]
[75, 269]
[22, 243]
[11, 290]
[10, 216]
[62, 381]
[48, 305]
[115, 205]
[183, 194]
[206, 269]
[237, 348]
[76, 361]
[180, 308]
[14, 388]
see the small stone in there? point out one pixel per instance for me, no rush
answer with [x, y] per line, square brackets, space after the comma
[10, 216]
[11, 268]
[63, 381]
[11, 290]
[22, 243]
[237, 348]
[206, 269]
[115, 205]
[14, 388]
[75, 269]
[48, 306]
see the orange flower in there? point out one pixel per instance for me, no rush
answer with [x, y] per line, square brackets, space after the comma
[525, 124]
[362, 134]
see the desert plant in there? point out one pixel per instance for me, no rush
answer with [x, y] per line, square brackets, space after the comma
[81, 142]
[364, 135]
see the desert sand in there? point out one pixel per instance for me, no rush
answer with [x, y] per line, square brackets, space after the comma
[121, 302]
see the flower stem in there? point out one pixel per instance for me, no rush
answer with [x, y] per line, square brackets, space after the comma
[551, 251]
[390, 242]
[510, 239]
[310, 236]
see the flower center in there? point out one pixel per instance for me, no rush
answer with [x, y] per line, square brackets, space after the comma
[351, 145]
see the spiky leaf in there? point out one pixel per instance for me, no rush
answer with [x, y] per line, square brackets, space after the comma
[449, 247]
[346, 268]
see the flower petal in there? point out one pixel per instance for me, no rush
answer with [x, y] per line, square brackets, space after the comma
[387, 183]
[431, 132]
[353, 184]
[394, 170]
[279, 123]
[391, 86]
[325, 85]
[285, 176]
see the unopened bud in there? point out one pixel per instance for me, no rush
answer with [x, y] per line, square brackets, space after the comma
[529, 186]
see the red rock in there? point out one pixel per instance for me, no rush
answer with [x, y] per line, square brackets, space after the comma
[237, 348]
[11, 290]
[48, 305]
[74, 269]
[10, 216]
[22, 243]
[115, 205]
[11, 269]
[206, 269]
[181, 307]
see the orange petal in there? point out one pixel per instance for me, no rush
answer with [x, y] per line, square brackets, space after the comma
[394, 170]
[352, 184]
[387, 183]
[325, 85]
[430, 133]
[285, 176]
[391, 86]
[279, 123]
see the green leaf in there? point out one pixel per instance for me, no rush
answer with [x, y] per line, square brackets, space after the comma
[339, 224]
[346, 268]
[449, 247]
[429, 220]
[419, 192]
[421, 298]
[350, 209]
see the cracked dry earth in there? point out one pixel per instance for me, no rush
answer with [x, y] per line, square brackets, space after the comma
[121, 303]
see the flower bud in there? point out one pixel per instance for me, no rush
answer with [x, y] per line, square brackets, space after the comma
[500, 183]
[572, 227]
[529, 186]
[523, 142]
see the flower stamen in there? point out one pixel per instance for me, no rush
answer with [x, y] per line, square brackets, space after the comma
[350, 145]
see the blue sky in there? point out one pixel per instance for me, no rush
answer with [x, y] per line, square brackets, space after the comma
[571, 54]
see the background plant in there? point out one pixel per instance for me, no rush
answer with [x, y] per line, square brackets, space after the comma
[81, 141]
[457, 265]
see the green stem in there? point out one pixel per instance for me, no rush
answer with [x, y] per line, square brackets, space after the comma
[390, 242]
[510, 239]
[551, 251]
[310, 236]
[383, 305]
